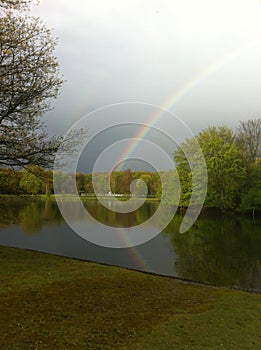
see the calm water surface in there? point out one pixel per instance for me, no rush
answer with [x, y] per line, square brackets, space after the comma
[223, 251]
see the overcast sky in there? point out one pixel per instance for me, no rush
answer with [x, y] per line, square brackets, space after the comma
[207, 53]
[201, 59]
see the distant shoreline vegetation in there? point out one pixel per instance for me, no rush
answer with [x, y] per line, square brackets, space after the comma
[254, 212]
[233, 164]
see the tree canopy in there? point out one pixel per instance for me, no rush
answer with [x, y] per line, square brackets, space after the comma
[226, 171]
[29, 81]
[16, 4]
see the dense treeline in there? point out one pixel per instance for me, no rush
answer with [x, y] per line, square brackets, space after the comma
[233, 161]
[117, 182]
[35, 180]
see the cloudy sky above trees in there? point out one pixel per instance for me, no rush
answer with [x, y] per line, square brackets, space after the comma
[200, 59]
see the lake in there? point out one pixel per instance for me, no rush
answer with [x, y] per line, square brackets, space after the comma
[219, 250]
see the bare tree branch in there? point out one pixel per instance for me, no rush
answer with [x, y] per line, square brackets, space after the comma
[248, 139]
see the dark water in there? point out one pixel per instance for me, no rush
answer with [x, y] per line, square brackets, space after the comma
[223, 251]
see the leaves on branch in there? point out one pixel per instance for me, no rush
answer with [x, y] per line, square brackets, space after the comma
[16, 4]
[29, 81]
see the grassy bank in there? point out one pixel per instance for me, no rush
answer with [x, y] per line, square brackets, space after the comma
[50, 302]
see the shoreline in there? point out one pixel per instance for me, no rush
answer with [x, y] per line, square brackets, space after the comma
[253, 212]
[61, 303]
[181, 279]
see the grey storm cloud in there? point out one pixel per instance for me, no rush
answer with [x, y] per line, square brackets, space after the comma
[199, 59]
[116, 51]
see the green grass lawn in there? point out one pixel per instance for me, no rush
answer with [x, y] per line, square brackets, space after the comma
[50, 302]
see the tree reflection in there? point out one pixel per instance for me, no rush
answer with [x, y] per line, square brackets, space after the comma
[218, 250]
[116, 219]
[31, 220]
[10, 210]
[32, 214]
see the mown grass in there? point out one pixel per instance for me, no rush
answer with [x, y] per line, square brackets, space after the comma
[50, 302]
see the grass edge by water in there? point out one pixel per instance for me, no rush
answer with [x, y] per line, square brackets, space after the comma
[68, 304]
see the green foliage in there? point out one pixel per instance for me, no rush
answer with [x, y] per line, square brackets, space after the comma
[29, 80]
[64, 183]
[252, 195]
[120, 182]
[80, 182]
[171, 184]
[184, 173]
[10, 181]
[88, 186]
[31, 181]
[226, 171]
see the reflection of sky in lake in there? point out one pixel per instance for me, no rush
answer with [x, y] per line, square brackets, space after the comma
[61, 240]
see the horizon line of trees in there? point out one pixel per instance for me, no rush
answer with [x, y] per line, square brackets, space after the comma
[233, 161]
[35, 180]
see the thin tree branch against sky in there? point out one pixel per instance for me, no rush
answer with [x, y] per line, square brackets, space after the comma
[201, 59]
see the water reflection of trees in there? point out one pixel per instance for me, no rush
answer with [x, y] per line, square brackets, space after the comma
[10, 209]
[32, 214]
[218, 250]
[117, 219]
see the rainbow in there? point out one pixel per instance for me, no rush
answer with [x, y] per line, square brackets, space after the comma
[168, 105]
[141, 263]
[179, 94]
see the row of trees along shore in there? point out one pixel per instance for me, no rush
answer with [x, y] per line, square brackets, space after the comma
[35, 180]
[233, 164]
